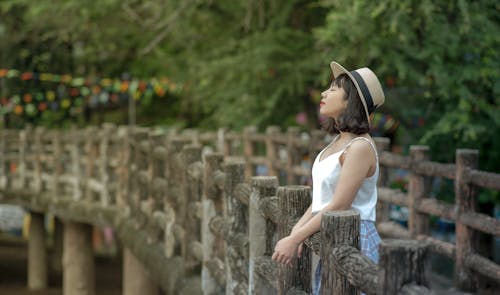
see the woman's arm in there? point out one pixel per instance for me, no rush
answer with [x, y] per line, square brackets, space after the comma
[354, 171]
[305, 217]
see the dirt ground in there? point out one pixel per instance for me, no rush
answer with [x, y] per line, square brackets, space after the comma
[13, 278]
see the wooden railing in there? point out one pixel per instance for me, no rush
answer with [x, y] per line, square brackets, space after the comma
[204, 218]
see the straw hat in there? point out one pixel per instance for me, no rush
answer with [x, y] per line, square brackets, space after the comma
[368, 85]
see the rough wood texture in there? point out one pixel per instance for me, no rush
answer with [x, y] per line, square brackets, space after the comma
[481, 222]
[338, 228]
[438, 246]
[358, 268]
[157, 265]
[293, 201]
[483, 266]
[485, 179]
[394, 160]
[434, 169]
[271, 150]
[466, 238]
[436, 208]
[402, 262]
[213, 247]
[37, 253]
[136, 280]
[383, 208]
[236, 243]
[78, 259]
[393, 230]
[392, 196]
[260, 235]
[419, 187]
[413, 289]
[192, 191]
[293, 157]
[249, 150]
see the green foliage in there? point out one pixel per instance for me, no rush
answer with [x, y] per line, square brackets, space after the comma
[260, 62]
[443, 56]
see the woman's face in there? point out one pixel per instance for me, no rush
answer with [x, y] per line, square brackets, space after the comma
[333, 101]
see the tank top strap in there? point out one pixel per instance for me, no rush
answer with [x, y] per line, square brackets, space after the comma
[365, 139]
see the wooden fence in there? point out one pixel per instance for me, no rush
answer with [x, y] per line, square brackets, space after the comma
[201, 221]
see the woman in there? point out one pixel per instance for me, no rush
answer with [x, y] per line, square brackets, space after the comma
[344, 173]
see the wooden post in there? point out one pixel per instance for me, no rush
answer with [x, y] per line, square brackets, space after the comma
[76, 138]
[191, 156]
[122, 171]
[260, 233]
[212, 206]
[466, 238]
[383, 208]
[401, 263]
[37, 253]
[293, 155]
[136, 280]
[78, 259]
[90, 154]
[418, 223]
[134, 199]
[3, 162]
[58, 167]
[271, 151]
[21, 166]
[338, 228]
[175, 202]
[57, 247]
[249, 150]
[293, 201]
[223, 143]
[143, 164]
[236, 241]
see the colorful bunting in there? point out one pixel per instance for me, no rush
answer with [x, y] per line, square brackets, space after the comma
[71, 92]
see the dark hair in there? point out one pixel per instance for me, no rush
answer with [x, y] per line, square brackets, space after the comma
[353, 119]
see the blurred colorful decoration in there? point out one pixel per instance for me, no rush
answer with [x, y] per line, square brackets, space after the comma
[71, 93]
[384, 124]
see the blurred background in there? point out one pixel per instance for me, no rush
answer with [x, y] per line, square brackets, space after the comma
[208, 64]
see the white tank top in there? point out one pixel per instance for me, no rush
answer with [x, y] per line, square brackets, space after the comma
[325, 175]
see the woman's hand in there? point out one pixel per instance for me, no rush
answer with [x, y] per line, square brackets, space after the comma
[285, 250]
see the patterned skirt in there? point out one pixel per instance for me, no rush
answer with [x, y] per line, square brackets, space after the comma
[369, 246]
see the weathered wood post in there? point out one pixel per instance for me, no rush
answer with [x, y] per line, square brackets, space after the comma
[293, 202]
[466, 237]
[37, 253]
[249, 150]
[338, 228]
[90, 158]
[78, 259]
[58, 167]
[75, 154]
[3, 163]
[418, 223]
[403, 266]
[136, 280]
[213, 273]
[175, 202]
[223, 143]
[21, 166]
[37, 165]
[271, 150]
[122, 171]
[260, 234]
[293, 155]
[191, 156]
[383, 208]
[236, 240]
